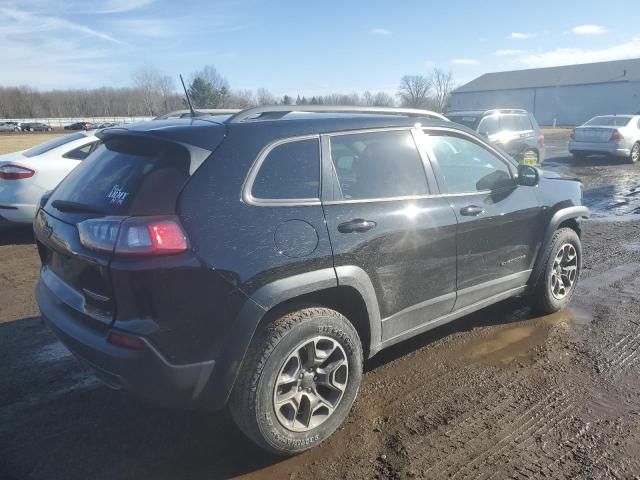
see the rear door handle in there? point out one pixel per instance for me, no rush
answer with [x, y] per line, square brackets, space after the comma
[471, 211]
[356, 225]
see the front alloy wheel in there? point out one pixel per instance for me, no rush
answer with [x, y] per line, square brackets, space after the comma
[565, 268]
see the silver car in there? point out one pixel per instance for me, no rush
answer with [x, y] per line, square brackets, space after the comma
[617, 135]
[9, 127]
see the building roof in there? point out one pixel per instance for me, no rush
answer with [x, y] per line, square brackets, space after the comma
[583, 74]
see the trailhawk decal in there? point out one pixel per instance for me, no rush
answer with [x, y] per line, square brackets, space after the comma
[117, 196]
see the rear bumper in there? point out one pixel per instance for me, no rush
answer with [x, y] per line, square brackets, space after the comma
[19, 200]
[145, 373]
[620, 149]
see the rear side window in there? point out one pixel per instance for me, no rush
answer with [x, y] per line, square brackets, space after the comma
[82, 152]
[128, 176]
[290, 171]
[525, 123]
[51, 144]
[377, 165]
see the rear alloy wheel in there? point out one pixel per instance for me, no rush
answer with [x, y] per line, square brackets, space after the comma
[298, 381]
[634, 156]
[563, 263]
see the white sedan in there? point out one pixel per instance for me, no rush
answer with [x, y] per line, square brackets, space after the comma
[26, 175]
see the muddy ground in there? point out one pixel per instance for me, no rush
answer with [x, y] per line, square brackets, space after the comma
[501, 393]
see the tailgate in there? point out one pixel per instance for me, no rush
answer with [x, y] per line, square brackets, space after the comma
[78, 277]
[594, 134]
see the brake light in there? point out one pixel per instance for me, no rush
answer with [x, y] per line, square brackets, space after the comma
[572, 135]
[541, 139]
[15, 172]
[616, 135]
[126, 341]
[134, 236]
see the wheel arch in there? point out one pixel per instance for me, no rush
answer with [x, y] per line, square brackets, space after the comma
[347, 290]
[568, 217]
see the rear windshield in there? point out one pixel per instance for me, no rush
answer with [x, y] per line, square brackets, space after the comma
[128, 176]
[51, 144]
[466, 120]
[609, 121]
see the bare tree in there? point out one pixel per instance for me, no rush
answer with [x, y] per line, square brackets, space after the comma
[414, 91]
[166, 87]
[147, 80]
[442, 84]
[264, 97]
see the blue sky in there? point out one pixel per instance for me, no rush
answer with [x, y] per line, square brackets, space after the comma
[303, 47]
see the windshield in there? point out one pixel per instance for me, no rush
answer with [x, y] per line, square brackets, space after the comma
[51, 144]
[609, 121]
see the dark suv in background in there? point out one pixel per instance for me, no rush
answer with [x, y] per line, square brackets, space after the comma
[257, 260]
[515, 130]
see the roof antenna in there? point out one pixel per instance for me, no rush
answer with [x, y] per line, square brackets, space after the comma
[186, 94]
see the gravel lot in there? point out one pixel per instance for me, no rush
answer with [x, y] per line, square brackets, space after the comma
[501, 393]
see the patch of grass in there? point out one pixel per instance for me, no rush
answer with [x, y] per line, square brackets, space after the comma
[22, 141]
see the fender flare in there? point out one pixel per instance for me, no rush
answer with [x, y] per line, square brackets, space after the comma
[558, 217]
[215, 391]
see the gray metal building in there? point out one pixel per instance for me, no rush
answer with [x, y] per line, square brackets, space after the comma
[570, 94]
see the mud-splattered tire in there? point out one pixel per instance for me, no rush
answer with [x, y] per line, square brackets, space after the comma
[259, 404]
[563, 263]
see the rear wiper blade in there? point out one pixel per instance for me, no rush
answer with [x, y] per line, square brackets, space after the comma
[67, 206]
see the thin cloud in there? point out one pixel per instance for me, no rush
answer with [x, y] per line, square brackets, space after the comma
[118, 6]
[589, 30]
[380, 31]
[21, 22]
[145, 27]
[521, 35]
[465, 61]
[509, 53]
[564, 56]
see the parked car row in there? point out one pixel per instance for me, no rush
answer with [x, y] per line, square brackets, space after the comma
[43, 127]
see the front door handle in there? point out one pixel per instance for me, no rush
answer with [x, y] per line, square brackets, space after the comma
[356, 225]
[471, 211]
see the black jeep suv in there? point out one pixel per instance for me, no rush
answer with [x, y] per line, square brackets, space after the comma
[256, 260]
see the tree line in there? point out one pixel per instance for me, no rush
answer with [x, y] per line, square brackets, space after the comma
[152, 93]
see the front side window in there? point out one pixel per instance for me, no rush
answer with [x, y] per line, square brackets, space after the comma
[468, 167]
[291, 171]
[377, 165]
[489, 126]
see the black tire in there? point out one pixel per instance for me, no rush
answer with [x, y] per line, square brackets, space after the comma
[544, 299]
[634, 155]
[253, 404]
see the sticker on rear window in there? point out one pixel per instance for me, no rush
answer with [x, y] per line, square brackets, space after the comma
[117, 196]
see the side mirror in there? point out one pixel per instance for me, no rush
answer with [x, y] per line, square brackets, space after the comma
[528, 176]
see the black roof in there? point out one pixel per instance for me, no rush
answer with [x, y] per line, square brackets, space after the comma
[197, 131]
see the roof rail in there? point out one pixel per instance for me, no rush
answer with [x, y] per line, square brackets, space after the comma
[276, 112]
[199, 112]
[506, 110]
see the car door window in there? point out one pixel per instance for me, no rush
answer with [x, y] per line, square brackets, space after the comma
[489, 126]
[290, 171]
[377, 165]
[82, 152]
[468, 167]
[525, 123]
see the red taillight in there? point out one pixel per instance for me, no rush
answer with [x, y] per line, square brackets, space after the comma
[572, 135]
[541, 139]
[134, 236]
[616, 135]
[126, 341]
[15, 172]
